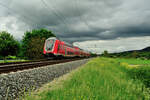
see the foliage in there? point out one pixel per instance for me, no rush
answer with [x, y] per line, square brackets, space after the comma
[12, 60]
[33, 43]
[131, 54]
[105, 53]
[99, 79]
[36, 48]
[134, 54]
[8, 45]
[93, 54]
[141, 72]
[133, 61]
[11, 57]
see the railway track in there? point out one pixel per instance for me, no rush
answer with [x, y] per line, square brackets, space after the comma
[18, 66]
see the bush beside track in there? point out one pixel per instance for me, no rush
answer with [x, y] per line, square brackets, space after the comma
[100, 79]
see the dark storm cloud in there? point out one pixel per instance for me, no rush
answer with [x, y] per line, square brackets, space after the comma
[77, 20]
[66, 16]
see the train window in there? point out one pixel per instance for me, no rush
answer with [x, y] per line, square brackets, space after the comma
[49, 45]
[70, 53]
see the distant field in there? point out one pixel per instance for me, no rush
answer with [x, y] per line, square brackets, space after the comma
[101, 79]
[133, 61]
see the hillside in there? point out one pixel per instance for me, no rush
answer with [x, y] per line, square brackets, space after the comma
[143, 53]
[146, 49]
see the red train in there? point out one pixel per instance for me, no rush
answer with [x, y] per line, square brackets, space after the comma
[54, 48]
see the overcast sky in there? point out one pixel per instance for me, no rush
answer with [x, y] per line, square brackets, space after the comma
[95, 25]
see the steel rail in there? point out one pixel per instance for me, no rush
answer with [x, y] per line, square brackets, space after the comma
[23, 66]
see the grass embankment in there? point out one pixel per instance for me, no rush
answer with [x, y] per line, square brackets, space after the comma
[133, 61]
[99, 79]
[137, 69]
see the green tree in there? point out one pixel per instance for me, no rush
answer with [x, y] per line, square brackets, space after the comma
[8, 45]
[93, 54]
[33, 43]
[134, 54]
[105, 53]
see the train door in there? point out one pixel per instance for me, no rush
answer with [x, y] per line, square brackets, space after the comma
[65, 51]
[58, 49]
[61, 51]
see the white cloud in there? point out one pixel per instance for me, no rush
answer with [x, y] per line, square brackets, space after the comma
[117, 45]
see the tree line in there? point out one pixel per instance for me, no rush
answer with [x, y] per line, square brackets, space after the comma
[30, 47]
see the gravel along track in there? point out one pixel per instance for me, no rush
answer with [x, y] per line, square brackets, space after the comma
[6, 68]
[15, 84]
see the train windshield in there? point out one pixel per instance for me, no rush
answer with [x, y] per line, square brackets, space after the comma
[50, 44]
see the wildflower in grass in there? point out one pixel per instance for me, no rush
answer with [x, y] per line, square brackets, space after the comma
[124, 64]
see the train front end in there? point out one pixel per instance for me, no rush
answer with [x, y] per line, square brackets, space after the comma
[49, 47]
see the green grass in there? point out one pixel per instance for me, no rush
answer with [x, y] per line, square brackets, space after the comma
[7, 61]
[142, 72]
[99, 79]
[132, 61]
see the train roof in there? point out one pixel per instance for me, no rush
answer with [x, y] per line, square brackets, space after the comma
[64, 42]
[52, 38]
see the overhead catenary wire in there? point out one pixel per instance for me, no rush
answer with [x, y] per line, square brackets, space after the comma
[63, 17]
[55, 13]
[53, 10]
[79, 14]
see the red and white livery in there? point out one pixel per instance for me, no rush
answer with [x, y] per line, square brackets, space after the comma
[55, 47]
